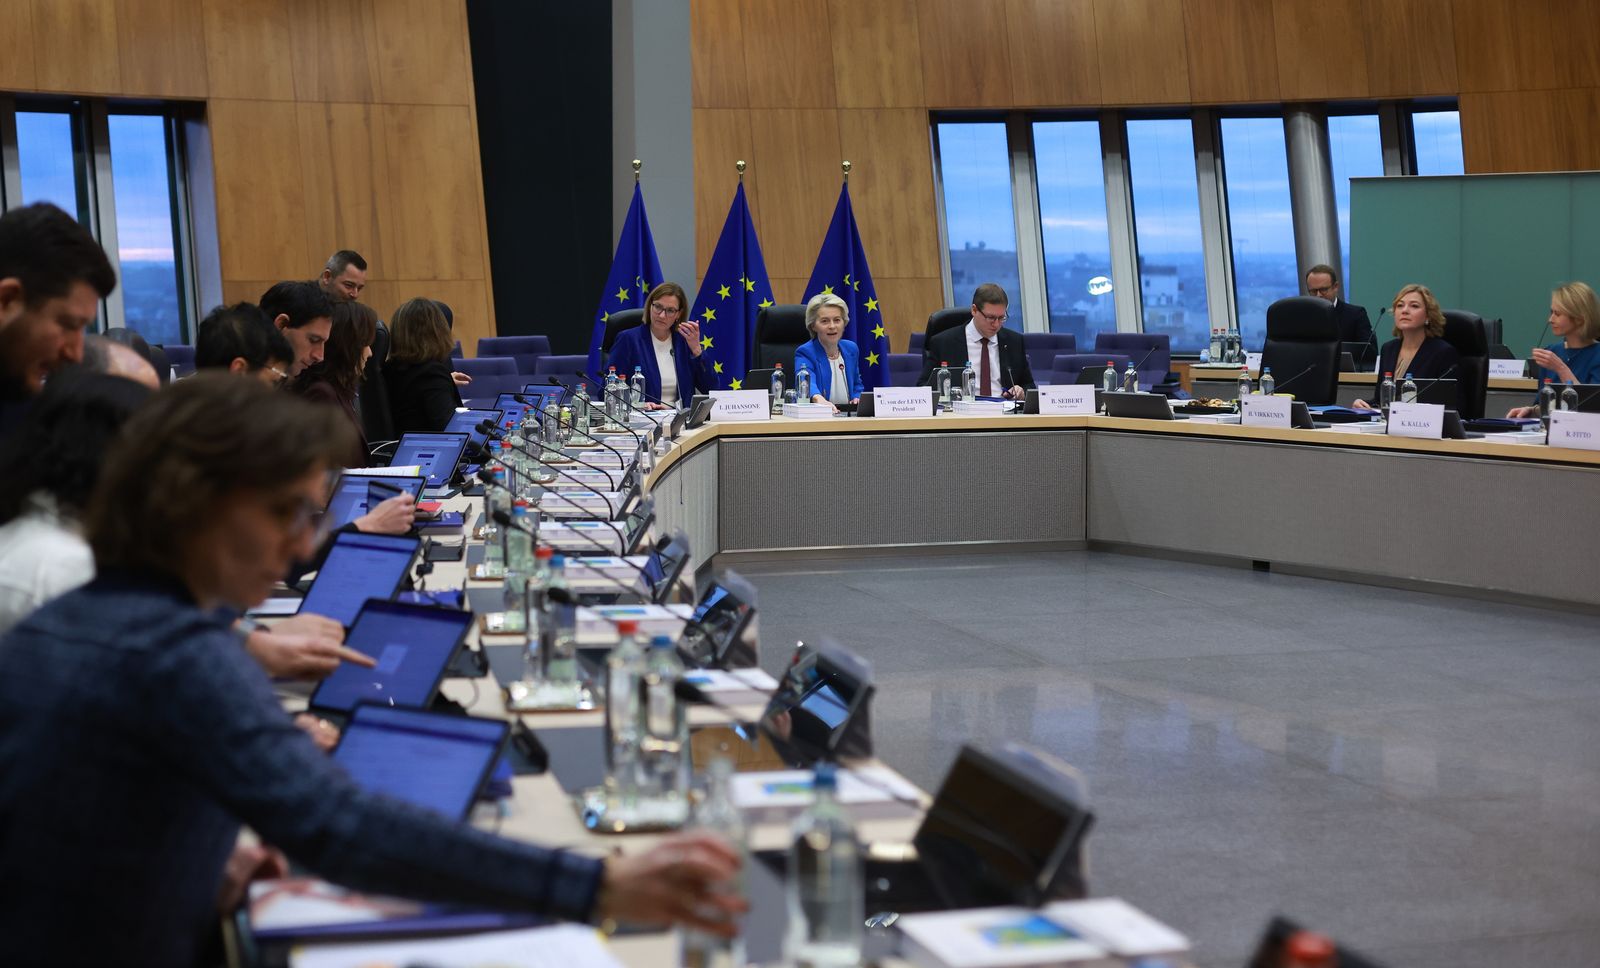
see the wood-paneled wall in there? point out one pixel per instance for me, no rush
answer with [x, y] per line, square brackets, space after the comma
[334, 124]
[794, 86]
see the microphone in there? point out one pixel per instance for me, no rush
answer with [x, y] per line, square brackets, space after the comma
[631, 432]
[1442, 376]
[1294, 378]
[588, 436]
[580, 375]
[505, 520]
[568, 474]
[576, 531]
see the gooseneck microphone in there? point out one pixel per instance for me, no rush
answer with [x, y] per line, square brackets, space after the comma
[506, 520]
[1279, 387]
[1428, 383]
[630, 431]
[500, 435]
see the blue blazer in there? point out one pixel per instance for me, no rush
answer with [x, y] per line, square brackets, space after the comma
[816, 360]
[635, 347]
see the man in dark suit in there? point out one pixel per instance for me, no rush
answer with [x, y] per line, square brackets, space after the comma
[1354, 326]
[996, 352]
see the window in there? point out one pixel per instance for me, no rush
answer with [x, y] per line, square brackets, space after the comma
[1166, 225]
[141, 180]
[975, 169]
[48, 165]
[1436, 136]
[1355, 149]
[1072, 219]
[1255, 164]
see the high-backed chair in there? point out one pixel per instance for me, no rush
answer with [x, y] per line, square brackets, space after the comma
[487, 366]
[780, 330]
[455, 351]
[915, 343]
[526, 350]
[1151, 353]
[1466, 332]
[942, 319]
[1066, 366]
[904, 368]
[1042, 348]
[616, 323]
[562, 367]
[1302, 349]
[377, 420]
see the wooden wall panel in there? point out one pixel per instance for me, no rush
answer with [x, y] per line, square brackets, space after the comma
[345, 169]
[242, 290]
[1503, 45]
[17, 69]
[892, 191]
[422, 53]
[721, 138]
[1054, 57]
[1530, 130]
[1232, 50]
[788, 289]
[162, 47]
[334, 48]
[877, 53]
[906, 304]
[1410, 47]
[261, 214]
[438, 230]
[788, 54]
[75, 46]
[248, 49]
[965, 54]
[1314, 60]
[1143, 58]
[716, 54]
[798, 152]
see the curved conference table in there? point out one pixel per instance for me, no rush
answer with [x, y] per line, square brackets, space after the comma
[1469, 516]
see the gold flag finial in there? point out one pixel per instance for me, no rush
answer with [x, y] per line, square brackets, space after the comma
[740, 165]
[637, 165]
[846, 167]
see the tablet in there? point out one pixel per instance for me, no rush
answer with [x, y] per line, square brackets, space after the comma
[412, 644]
[543, 393]
[466, 422]
[354, 494]
[512, 408]
[438, 761]
[436, 454]
[359, 567]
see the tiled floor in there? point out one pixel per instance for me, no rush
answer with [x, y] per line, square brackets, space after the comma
[1417, 774]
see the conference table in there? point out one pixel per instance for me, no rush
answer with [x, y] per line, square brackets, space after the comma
[1206, 380]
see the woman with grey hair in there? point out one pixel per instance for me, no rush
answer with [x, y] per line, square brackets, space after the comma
[834, 362]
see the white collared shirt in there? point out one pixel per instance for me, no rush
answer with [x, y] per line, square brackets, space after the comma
[668, 366]
[997, 380]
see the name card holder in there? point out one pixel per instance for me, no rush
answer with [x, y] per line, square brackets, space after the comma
[1073, 399]
[903, 402]
[729, 405]
[1575, 429]
[1264, 410]
[1252, 362]
[1507, 369]
[1421, 420]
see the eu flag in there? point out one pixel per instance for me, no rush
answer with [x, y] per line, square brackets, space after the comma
[634, 271]
[842, 270]
[734, 289]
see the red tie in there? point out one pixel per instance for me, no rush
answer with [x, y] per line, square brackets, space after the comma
[983, 370]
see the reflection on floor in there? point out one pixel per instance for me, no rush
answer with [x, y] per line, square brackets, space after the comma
[1417, 774]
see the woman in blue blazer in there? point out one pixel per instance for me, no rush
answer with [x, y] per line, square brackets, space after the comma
[834, 362]
[664, 346]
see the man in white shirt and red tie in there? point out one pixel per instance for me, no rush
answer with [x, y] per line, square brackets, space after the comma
[996, 353]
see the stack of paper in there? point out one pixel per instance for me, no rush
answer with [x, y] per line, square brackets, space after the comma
[871, 791]
[976, 408]
[809, 411]
[598, 625]
[1104, 931]
[561, 946]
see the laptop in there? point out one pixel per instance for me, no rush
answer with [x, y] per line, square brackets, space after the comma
[359, 567]
[436, 454]
[466, 422]
[437, 761]
[1442, 392]
[1588, 397]
[413, 646]
[355, 494]
[1363, 356]
[721, 632]
[1147, 406]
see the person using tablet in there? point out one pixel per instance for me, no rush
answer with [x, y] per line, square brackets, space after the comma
[422, 394]
[666, 349]
[1575, 358]
[1420, 349]
[834, 362]
[137, 741]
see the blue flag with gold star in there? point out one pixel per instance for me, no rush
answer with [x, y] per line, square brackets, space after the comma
[842, 270]
[734, 289]
[634, 271]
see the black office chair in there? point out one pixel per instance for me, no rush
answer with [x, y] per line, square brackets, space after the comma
[1466, 332]
[1302, 349]
[615, 324]
[780, 330]
[377, 420]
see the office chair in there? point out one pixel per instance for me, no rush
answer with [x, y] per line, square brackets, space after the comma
[1041, 348]
[377, 421]
[526, 350]
[1151, 353]
[1465, 331]
[780, 330]
[1303, 348]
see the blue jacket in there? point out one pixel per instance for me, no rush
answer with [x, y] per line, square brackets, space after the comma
[635, 347]
[816, 360]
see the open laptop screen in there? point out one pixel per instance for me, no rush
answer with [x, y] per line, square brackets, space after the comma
[511, 408]
[436, 454]
[434, 760]
[359, 567]
[354, 495]
[412, 645]
[466, 422]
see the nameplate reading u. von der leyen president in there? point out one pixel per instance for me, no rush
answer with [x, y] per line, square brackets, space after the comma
[903, 402]
[1264, 410]
[1425, 420]
[1066, 399]
[740, 405]
[1574, 428]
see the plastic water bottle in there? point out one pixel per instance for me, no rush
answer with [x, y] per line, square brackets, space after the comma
[664, 728]
[636, 387]
[530, 463]
[535, 599]
[581, 407]
[1268, 384]
[614, 391]
[802, 384]
[551, 423]
[1214, 351]
[624, 672]
[1547, 399]
[1386, 392]
[941, 384]
[717, 814]
[969, 382]
[1130, 379]
[1408, 390]
[824, 888]
[775, 394]
[558, 631]
[1108, 379]
[519, 565]
[1244, 384]
[495, 499]
[1569, 397]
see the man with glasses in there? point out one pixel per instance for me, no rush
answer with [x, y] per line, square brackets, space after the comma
[241, 339]
[1354, 327]
[996, 353]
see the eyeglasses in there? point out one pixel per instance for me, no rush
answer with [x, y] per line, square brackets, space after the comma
[1321, 290]
[999, 320]
[663, 310]
[282, 376]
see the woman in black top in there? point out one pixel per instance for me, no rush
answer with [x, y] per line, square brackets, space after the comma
[422, 394]
[336, 381]
[1420, 351]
